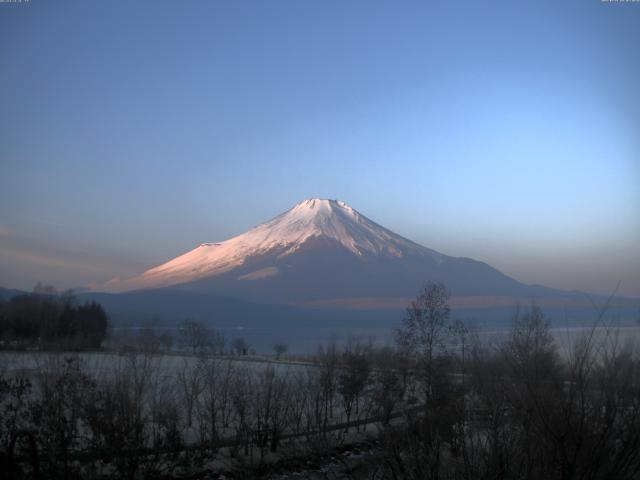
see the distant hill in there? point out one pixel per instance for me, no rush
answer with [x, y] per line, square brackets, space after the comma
[166, 306]
[7, 293]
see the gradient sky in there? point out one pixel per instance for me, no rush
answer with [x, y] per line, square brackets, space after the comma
[130, 132]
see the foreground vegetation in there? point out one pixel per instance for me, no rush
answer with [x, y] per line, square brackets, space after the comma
[438, 404]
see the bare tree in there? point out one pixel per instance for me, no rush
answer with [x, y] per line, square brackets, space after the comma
[166, 340]
[280, 349]
[425, 326]
[190, 379]
[424, 334]
[241, 391]
[218, 342]
[388, 392]
[215, 403]
[58, 412]
[353, 378]
[240, 346]
[271, 407]
[147, 339]
[118, 416]
[328, 382]
[195, 335]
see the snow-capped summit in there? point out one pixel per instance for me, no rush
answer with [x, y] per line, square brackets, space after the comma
[328, 219]
[319, 252]
[313, 220]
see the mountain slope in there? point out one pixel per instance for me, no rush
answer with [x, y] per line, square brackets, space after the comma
[322, 251]
[330, 221]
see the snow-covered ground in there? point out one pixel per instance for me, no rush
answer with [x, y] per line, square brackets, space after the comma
[103, 364]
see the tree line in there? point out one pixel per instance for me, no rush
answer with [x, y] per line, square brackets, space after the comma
[47, 319]
[439, 403]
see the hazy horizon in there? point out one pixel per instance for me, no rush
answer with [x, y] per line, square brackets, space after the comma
[505, 133]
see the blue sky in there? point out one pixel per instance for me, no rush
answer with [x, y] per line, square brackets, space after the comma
[504, 131]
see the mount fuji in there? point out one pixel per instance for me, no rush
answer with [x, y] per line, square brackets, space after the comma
[323, 253]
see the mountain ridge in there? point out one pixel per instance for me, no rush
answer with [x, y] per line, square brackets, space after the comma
[323, 252]
[282, 236]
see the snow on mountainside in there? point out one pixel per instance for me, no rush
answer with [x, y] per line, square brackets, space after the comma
[324, 254]
[310, 220]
